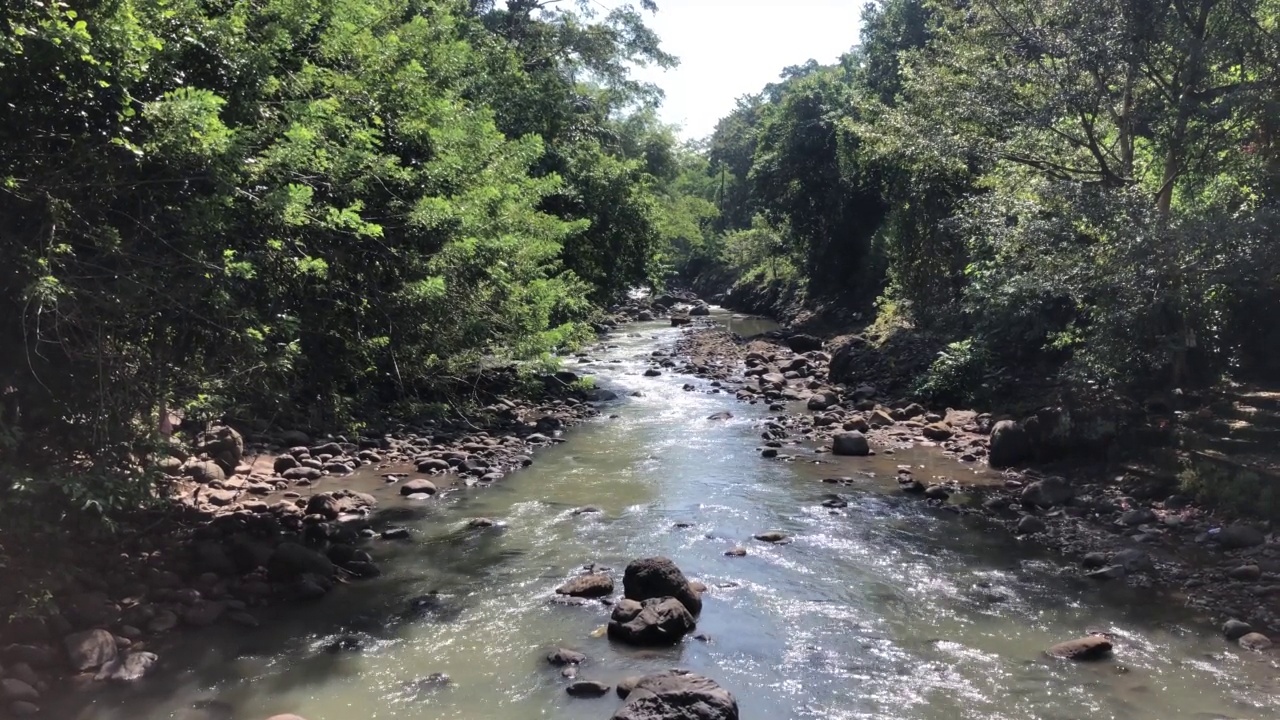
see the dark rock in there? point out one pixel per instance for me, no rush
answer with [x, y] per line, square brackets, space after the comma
[13, 689]
[1010, 444]
[1094, 560]
[23, 708]
[589, 585]
[588, 689]
[223, 445]
[658, 577]
[1047, 492]
[803, 343]
[1090, 647]
[677, 695]
[564, 656]
[1030, 525]
[418, 486]
[283, 463]
[937, 432]
[850, 443]
[90, 649]
[736, 552]
[164, 621]
[1133, 560]
[722, 415]
[1238, 536]
[656, 621]
[291, 560]
[1139, 516]
[205, 472]
[1246, 573]
[1110, 572]
[1236, 629]
[302, 473]
[325, 505]
[204, 613]
[937, 492]
[772, 536]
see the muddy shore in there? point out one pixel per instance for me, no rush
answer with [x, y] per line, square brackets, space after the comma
[1115, 523]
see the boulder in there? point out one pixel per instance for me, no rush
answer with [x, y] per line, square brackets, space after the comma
[205, 472]
[565, 656]
[589, 585]
[1247, 573]
[13, 690]
[291, 560]
[658, 577]
[656, 621]
[1048, 492]
[937, 432]
[1133, 560]
[1030, 525]
[130, 668]
[22, 708]
[803, 343]
[1010, 444]
[700, 309]
[588, 689]
[1254, 641]
[1236, 629]
[822, 401]
[324, 505]
[850, 443]
[772, 536]
[90, 649]
[419, 486]
[677, 695]
[879, 419]
[223, 445]
[284, 462]
[1136, 517]
[1239, 536]
[427, 465]
[1090, 647]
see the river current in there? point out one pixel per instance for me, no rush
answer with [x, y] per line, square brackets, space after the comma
[885, 609]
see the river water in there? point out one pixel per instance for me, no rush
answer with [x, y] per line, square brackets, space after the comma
[884, 609]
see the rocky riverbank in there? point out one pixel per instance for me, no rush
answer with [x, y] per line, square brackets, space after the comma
[251, 520]
[1117, 524]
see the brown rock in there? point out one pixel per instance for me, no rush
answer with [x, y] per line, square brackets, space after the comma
[589, 585]
[1090, 647]
[1255, 641]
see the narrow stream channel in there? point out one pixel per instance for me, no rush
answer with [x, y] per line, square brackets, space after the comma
[884, 609]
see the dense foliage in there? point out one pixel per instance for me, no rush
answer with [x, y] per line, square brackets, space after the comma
[1084, 189]
[300, 211]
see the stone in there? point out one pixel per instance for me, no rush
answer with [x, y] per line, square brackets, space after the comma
[1030, 525]
[1109, 572]
[822, 401]
[205, 472]
[224, 445]
[937, 492]
[937, 432]
[164, 621]
[772, 536]
[427, 465]
[325, 505]
[1239, 536]
[1048, 492]
[1094, 560]
[417, 486]
[656, 621]
[15, 690]
[22, 708]
[1010, 444]
[851, 443]
[204, 613]
[130, 668]
[90, 649]
[803, 343]
[1133, 560]
[736, 552]
[880, 419]
[1090, 647]
[291, 560]
[564, 656]
[1136, 517]
[588, 689]
[399, 533]
[1246, 573]
[589, 585]
[1236, 629]
[677, 695]
[1254, 641]
[283, 463]
[658, 577]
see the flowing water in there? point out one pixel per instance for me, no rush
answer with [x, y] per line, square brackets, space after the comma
[884, 609]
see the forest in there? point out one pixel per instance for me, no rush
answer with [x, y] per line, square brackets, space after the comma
[314, 211]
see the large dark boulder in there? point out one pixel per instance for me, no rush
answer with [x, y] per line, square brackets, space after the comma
[802, 343]
[1010, 444]
[656, 621]
[677, 695]
[90, 649]
[223, 445]
[291, 560]
[1235, 537]
[658, 577]
[1048, 492]
[850, 443]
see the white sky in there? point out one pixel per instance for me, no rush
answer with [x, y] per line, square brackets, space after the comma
[729, 48]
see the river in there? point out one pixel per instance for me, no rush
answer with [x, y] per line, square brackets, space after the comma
[884, 609]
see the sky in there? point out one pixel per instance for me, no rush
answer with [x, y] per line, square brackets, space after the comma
[730, 48]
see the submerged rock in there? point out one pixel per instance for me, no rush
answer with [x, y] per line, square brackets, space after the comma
[658, 577]
[1090, 647]
[656, 621]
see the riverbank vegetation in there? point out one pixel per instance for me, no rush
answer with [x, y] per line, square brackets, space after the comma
[1086, 193]
[305, 212]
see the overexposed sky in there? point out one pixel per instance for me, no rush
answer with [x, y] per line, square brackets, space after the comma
[729, 48]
